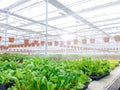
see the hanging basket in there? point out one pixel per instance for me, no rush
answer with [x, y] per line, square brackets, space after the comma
[14, 46]
[75, 41]
[106, 39]
[42, 43]
[32, 44]
[68, 42]
[117, 38]
[0, 38]
[84, 41]
[68, 46]
[21, 45]
[11, 39]
[18, 45]
[6, 47]
[35, 42]
[38, 44]
[29, 45]
[61, 43]
[25, 45]
[71, 46]
[26, 41]
[56, 43]
[1, 47]
[92, 40]
[49, 43]
[74, 47]
[9, 46]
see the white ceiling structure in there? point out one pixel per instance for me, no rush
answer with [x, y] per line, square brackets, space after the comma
[78, 18]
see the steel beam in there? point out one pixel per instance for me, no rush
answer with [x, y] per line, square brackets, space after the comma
[20, 2]
[16, 28]
[75, 15]
[21, 17]
[9, 27]
[49, 19]
[28, 19]
[111, 33]
[117, 2]
[14, 5]
[86, 10]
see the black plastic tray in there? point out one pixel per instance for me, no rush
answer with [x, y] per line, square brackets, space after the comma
[2, 87]
[6, 86]
[86, 86]
[99, 77]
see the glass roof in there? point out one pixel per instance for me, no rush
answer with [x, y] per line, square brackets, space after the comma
[80, 18]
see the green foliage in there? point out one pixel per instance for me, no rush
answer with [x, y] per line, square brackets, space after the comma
[94, 67]
[114, 63]
[12, 57]
[48, 74]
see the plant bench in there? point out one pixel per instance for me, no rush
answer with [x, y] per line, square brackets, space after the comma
[110, 82]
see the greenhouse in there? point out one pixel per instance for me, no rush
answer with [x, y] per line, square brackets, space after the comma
[59, 44]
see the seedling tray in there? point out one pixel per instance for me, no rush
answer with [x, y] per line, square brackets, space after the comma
[6, 86]
[99, 77]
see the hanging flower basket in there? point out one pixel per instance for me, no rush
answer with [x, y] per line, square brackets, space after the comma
[29, 45]
[32, 44]
[18, 45]
[117, 38]
[1, 47]
[6, 47]
[35, 42]
[26, 41]
[9, 46]
[61, 43]
[56, 43]
[74, 47]
[71, 46]
[68, 46]
[22, 45]
[49, 43]
[0, 38]
[42, 43]
[84, 41]
[25, 45]
[92, 40]
[14, 46]
[38, 44]
[106, 39]
[68, 42]
[11, 39]
[75, 41]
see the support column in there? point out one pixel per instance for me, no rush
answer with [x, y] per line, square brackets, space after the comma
[46, 35]
[5, 43]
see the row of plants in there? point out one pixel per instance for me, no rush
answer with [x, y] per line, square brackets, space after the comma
[42, 74]
[12, 57]
[47, 74]
[78, 56]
